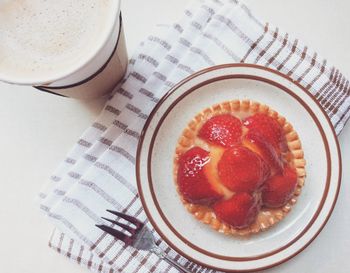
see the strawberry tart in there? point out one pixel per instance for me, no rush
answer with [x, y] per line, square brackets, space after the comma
[239, 167]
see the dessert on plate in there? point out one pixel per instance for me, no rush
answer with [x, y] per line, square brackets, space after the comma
[239, 167]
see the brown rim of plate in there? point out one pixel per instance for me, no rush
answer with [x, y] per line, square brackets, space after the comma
[267, 217]
[246, 77]
[154, 197]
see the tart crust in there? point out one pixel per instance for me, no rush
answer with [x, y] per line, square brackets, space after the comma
[267, 217]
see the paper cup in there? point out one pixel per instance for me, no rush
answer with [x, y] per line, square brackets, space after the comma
[96, 75]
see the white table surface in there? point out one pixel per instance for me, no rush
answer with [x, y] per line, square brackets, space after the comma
[37, 130]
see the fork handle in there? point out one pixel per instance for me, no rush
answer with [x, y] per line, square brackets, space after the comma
[160, 253]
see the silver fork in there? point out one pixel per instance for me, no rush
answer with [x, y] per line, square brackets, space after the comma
[138, 236]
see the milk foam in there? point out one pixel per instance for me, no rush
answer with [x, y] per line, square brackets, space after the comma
[45, 38]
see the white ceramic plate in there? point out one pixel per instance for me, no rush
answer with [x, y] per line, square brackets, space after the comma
[197, 241]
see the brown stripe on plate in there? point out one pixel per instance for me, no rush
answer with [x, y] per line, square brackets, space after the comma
[150, 180]
[149, 215]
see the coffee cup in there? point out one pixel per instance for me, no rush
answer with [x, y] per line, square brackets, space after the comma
[73, 48]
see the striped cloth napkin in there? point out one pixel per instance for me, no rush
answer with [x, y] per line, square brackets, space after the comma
[98, 173]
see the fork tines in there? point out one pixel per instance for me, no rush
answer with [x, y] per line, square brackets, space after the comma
[116, 233]
[129, 229]
[126, 217]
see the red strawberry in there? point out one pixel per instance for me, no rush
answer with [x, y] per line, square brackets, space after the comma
[192, 182]
[224, 130]
[259, 145]
[239, 211]
[279, 189]
[267, 127]
[240, 169]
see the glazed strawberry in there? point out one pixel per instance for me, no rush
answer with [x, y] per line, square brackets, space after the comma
[279, 189]
[240, 169]
[192, 182]
[267, 127]
[211, 170]
[259, 145]
[239, 211]
[224, 130]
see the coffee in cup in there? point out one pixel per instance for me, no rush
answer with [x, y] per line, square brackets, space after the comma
[74, 48]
